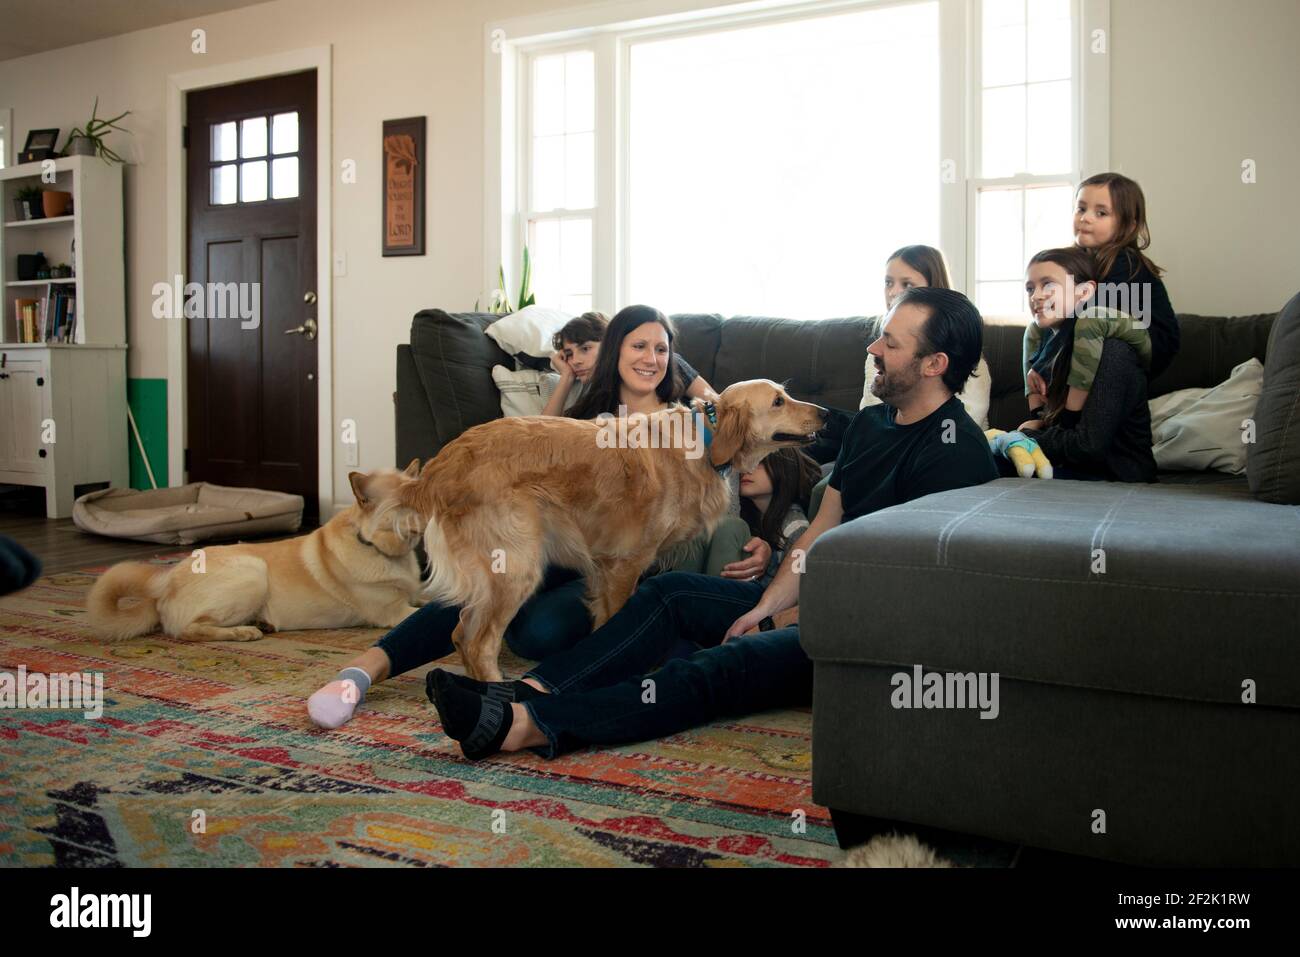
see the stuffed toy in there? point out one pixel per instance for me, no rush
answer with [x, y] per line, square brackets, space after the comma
[1023, 452]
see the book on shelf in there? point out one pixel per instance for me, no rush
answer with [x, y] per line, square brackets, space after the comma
[51, 319]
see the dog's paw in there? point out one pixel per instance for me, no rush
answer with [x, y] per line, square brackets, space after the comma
[245, 633]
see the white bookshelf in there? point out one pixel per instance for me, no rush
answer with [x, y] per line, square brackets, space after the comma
[79, 387]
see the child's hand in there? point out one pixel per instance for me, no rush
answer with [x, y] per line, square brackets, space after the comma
[1035, 424]
[1036, 384]
[760, 552]
[561, 365]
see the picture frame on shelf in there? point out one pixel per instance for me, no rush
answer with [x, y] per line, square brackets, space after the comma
[40, 145]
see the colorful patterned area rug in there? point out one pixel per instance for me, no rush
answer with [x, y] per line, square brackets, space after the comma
[204, 756]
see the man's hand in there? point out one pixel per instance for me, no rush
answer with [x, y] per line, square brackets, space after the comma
[746, 623]
[760, 553]
[782, 619]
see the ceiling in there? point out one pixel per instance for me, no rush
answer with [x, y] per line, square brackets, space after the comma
[31, 27]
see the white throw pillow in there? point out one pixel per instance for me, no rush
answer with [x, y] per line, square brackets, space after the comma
[975, 397]
[1202, 429]
[521, 392]
[531, 330]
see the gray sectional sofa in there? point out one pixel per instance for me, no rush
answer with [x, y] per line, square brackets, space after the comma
[1121, 731]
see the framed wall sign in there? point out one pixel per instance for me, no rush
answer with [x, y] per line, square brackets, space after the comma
[404, 162]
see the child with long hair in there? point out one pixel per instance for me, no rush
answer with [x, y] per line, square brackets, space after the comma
[1110, 221]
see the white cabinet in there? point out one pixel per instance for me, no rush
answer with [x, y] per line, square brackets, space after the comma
[61, 421]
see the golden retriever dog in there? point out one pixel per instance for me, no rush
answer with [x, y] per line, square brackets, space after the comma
[356, 569]
[508, 497]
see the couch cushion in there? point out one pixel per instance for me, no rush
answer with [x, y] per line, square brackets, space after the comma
[1210, 348]
[697, 339]
[1273, 461]
[454, 359]
[819, 361]
[1200, 590]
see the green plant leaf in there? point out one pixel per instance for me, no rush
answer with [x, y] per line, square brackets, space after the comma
[526, 274]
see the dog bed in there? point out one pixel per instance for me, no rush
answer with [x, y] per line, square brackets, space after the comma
[186, 514]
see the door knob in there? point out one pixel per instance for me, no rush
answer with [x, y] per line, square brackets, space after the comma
[308, 329]
[310, 298]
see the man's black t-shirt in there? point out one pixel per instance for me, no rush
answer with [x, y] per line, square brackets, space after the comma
[882, 463]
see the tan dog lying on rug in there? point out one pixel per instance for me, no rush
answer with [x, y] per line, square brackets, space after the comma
[508, 497]
[357, 569]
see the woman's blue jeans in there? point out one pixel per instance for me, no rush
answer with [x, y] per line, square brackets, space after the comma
[551, 621]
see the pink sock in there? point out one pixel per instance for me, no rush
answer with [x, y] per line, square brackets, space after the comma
[332, 706]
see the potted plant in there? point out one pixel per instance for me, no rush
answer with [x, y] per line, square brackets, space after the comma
[499, 300]
[28, 203]
[55, 202]
[89, 140]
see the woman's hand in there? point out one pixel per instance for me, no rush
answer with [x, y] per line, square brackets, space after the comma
[760, 553]
[1035, 424]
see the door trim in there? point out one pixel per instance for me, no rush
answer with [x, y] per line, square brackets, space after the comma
[178, 84]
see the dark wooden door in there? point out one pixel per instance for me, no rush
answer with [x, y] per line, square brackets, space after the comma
[251, 379]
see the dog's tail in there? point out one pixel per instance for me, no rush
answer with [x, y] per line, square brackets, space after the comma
[127, 580]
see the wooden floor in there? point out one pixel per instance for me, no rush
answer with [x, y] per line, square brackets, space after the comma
[62, 547]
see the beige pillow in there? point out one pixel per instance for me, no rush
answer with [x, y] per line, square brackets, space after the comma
[521, 392]
[1201, 429]
[975, 397]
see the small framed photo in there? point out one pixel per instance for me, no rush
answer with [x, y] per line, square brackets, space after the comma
[41, 140]
[404, 164]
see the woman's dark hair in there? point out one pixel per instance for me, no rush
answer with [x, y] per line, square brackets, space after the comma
[926, 260]
[793, 475]
[1129, 206]
[954, 327]
[1082, 266]
[603, 393]
[588, 327]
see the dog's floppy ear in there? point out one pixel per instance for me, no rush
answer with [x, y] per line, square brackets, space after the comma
[412, 470]
[732, 433]
[358, 482]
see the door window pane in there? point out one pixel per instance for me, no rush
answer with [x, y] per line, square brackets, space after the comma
[284, 133]
[252, 186]
[284, 177]
[224, 186]
[253, 138]
[223, 141]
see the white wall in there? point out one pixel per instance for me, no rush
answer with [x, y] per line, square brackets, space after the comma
[1197, 86]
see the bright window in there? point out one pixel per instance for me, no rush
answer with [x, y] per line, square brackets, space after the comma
[773, 168]
[1027, 167]
[561, 190]
[767, 161]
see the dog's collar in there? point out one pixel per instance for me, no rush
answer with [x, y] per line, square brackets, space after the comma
[707, 427]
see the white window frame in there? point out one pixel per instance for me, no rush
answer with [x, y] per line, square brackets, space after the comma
[610, 29]
[1091, 133]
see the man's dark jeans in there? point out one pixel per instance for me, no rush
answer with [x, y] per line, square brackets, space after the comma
[601, 692]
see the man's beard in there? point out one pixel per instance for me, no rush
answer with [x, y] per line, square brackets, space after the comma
[897, 382]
